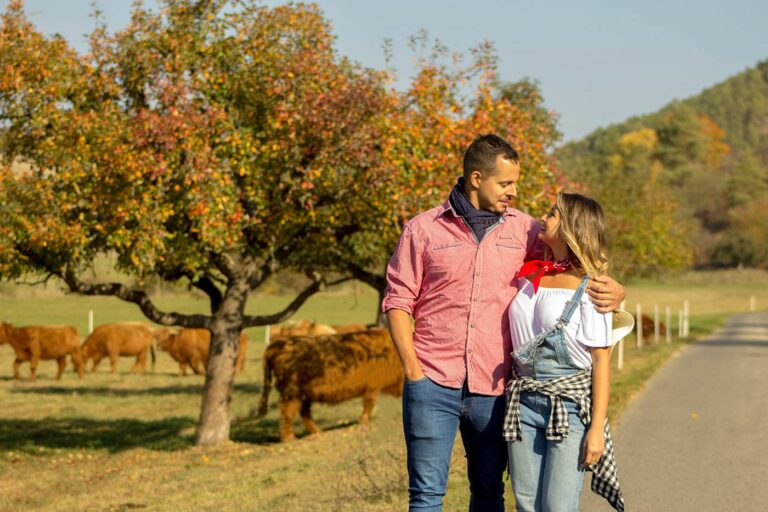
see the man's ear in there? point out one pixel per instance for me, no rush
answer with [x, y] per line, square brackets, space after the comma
[476, 178]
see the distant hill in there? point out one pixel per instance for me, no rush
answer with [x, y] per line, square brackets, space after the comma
[707, 154]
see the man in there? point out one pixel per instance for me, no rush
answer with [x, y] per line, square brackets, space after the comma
[454, 271]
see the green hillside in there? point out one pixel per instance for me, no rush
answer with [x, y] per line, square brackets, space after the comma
[687, 184]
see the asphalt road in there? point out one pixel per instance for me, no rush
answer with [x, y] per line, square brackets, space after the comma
[696, 439]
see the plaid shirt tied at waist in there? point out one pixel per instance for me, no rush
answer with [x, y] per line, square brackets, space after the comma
[576, 387]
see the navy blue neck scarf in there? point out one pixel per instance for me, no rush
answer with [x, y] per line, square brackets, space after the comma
[478, 220]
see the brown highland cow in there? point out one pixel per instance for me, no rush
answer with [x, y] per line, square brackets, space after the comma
[329, 368]
[120, 339]
[191, 347]
[34, 343]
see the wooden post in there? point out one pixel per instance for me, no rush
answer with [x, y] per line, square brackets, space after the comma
[680, 324]
[266, 334]
[639, 324]
[656, 325]
[686, 319]
[90, 321]
[668, 330]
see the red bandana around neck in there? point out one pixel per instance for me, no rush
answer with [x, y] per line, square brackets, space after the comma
[542, 267]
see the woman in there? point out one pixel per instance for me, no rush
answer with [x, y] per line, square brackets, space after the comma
[556, 423]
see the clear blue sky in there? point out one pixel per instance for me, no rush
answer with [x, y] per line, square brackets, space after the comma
[598, 61]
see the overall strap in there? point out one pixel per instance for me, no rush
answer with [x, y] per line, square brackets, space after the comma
[573, 302]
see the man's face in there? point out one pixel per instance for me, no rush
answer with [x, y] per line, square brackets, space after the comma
[498, 190]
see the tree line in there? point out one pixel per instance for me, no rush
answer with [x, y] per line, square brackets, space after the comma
[697, 169]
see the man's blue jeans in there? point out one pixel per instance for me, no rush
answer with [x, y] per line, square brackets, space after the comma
[431, 416]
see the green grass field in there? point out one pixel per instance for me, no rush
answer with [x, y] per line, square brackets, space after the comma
[125, 442]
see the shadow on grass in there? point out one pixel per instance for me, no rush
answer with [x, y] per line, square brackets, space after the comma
[170, 434]
[190, 389]
[256, 430]
[111, 435]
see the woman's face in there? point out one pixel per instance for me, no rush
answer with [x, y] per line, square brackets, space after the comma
[549, 224]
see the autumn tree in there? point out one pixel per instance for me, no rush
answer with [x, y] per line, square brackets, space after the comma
[201, 143]
[219, 143]
[646, 236]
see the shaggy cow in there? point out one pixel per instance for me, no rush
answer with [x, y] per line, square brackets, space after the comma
[300, 328]
[329, 369]
[120, 339]
[191, 347]
[34, 343]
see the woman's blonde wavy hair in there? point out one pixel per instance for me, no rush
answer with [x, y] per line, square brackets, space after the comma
[582, 228]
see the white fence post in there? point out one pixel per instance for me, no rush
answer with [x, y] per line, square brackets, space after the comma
[656, 327]
[266, 334]
[639, 324]
[621, 347]
[90, 321]
[686, 319]
[668, 330]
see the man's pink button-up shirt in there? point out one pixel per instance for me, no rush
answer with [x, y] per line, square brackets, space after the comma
[459, 291]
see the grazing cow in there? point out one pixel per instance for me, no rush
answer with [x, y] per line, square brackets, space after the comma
[648, 329]
[191, 347]
[329, 368]
[120, 339]
[300, 328]
[34, 343]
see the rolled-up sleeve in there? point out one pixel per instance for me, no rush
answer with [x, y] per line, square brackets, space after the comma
[404, 273]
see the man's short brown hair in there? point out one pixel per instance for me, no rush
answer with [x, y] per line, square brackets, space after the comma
[481, 155]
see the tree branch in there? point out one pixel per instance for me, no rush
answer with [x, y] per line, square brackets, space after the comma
[226, 264]
[138, 297]
[207, 285]
[375, 281]
[318, 285]
[256, 280]
[35, 283]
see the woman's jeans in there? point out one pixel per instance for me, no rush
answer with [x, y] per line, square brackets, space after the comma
[432, 414]
[546, 475]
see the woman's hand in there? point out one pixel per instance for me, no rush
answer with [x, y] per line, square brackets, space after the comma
[594, 445]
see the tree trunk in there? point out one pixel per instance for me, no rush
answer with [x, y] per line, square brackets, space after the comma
[213, 427]
[375, 281]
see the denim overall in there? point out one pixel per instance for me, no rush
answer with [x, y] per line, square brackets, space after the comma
[547, 475]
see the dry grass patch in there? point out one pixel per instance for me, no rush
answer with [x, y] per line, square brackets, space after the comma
[125, 442]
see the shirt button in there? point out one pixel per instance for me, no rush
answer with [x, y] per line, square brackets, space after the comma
[469, 351]
[477, 273]
[474, 299]
[471, 326]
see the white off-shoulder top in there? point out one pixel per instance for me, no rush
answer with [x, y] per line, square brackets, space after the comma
[533, 313]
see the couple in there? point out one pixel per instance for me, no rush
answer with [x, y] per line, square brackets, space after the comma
[483, 280]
